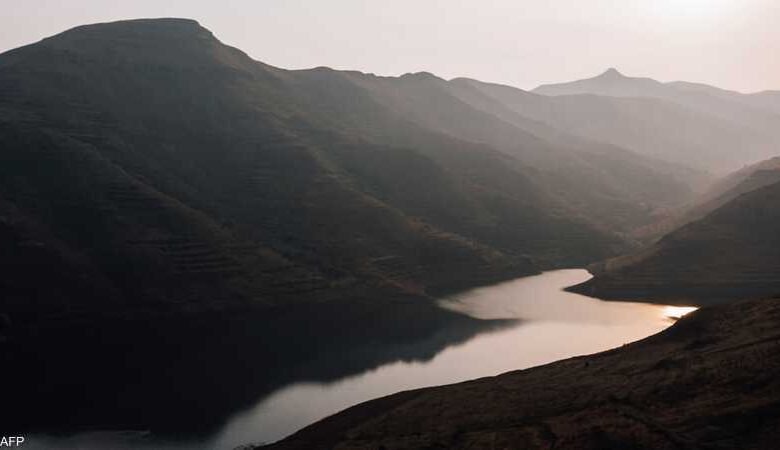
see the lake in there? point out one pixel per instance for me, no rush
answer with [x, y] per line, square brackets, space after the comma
[535, 322]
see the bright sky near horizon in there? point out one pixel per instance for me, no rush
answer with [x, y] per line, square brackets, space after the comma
[733, 44]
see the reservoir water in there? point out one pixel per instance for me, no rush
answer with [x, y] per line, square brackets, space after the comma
[545, 324]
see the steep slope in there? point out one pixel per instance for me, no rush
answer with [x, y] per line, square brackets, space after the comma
[655, 125]
[710, 381]
[733, 252]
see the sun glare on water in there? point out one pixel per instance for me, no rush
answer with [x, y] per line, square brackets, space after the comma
[678, 312]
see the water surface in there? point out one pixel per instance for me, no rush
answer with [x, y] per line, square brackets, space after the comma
[548, 324]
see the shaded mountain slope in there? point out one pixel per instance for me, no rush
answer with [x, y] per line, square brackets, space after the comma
[710, 381]
[733, 252]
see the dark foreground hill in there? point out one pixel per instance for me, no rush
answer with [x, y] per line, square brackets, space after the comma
[712, 381]
[733, 252]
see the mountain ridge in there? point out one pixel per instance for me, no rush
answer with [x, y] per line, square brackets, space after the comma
[210, 181]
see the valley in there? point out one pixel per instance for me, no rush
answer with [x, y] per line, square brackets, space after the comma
[202, 250]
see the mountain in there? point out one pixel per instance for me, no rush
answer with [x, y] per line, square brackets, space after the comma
[709, 381]
[721, 129]
[653, 127]
[757, 112]
[611, 83]
[731, 253]
[757, 108]
[149, 170]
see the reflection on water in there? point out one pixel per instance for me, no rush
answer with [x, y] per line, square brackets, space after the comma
[551, 325]
[678, 312]
[542, 299]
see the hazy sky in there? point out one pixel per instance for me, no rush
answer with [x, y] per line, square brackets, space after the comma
[730, 43]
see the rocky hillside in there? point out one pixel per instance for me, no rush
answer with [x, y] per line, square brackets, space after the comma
[710, 381]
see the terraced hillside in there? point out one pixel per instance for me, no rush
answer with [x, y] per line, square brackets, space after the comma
[710, 381]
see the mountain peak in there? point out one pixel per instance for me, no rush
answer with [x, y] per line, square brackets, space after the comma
[420, 76]
[168, 24]
[612, 73]
[164, 41]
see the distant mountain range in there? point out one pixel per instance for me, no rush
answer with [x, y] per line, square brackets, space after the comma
[694, 124]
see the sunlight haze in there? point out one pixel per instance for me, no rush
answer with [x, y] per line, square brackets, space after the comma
[729, 43]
